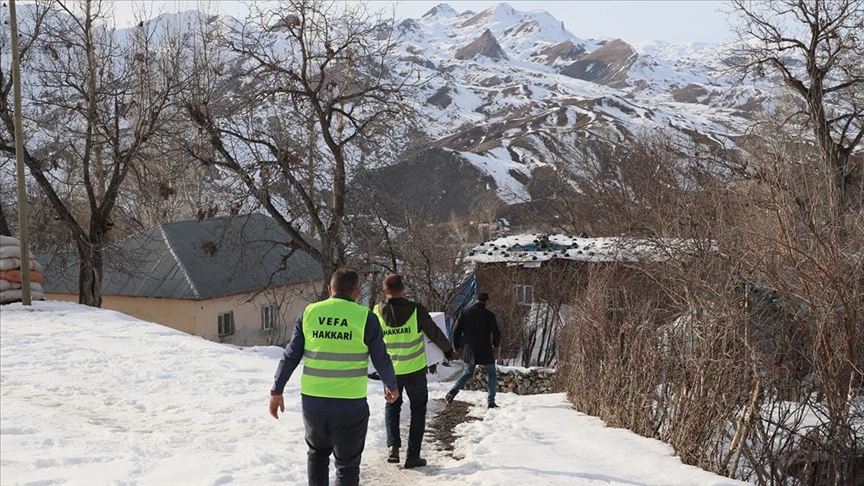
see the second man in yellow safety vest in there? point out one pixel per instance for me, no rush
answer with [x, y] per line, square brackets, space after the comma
[404, 323]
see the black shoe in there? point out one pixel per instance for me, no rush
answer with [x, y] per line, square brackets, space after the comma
[450, 396]
[413, 462]
[393, 458]
[492, 404]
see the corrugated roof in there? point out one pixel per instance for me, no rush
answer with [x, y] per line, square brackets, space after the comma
[193, 260]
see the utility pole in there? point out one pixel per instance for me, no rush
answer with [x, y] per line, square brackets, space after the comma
[23, 236]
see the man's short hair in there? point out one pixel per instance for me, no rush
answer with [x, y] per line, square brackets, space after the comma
[482, 296]
[393, 283]
[344, 281]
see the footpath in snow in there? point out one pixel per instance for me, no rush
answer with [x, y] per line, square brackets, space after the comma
[95, 397]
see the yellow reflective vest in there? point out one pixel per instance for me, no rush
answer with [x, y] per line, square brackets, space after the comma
[336, 356]
[404, 344]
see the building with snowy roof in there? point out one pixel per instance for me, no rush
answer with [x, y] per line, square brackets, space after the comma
[536, 280]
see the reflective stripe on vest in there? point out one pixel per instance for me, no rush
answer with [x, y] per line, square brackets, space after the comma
[336, 358]
[404, 344]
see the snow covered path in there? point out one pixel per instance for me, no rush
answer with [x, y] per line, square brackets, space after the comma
[96, 397]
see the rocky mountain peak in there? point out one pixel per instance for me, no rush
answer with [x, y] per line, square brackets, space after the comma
[563, 51]
[409, 25]
[499, 14]
[486, 45]
[504, 9]
[442, 10]
[607, 64]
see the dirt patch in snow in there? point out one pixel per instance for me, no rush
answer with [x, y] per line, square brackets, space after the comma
[443, 424]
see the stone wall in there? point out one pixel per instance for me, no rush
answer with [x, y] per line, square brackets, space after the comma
[531, 381]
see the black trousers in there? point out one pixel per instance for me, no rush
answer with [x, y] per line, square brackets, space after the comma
[418, 395]
[344, 436]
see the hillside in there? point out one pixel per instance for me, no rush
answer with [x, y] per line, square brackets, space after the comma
[506, 94]
[511, 92]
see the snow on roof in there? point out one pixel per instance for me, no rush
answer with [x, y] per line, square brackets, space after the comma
[530, 250]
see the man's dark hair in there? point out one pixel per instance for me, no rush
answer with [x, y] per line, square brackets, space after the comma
[482, 296]
[393, 283]
[344, 281]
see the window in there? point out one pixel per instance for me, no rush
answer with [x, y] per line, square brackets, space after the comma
[226, 323]
[269, 314]
[524, 294]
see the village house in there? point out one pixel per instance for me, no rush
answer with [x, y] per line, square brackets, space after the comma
[535, 282]
[228, 279]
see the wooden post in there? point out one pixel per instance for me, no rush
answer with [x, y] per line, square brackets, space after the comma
[23, 235]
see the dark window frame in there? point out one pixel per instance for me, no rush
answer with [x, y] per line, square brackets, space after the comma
[225, 324]
[269, 316]
[524, 294]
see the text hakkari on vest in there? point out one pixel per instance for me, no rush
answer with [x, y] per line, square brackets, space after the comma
[332, 321]
[397, 330]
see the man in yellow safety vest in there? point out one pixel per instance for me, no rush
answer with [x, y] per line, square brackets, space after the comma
[404, 323]
[336, 337]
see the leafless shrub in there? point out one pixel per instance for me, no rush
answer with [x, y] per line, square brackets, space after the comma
[747, 359]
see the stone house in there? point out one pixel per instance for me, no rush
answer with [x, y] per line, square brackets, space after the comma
[538, 281]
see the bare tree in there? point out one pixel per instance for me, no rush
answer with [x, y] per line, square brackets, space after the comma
[426, 253]
[818, 279]
[607, 186]
[4, 225]
[293, 100]
[817, 47]
[171, 186]
[95, 102]
[747, 359]
[32, 18]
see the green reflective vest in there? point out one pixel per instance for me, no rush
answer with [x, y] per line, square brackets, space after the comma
[336, 357]
[404, 344]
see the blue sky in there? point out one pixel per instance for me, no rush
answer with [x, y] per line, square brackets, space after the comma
[635, 20]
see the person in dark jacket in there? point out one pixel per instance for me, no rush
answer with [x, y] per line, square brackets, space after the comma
[336, 337]
[477, 336]
[404, 323]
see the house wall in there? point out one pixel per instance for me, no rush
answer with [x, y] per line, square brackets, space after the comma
[566, 282]
[175, 313]
[201, 318]
[291, 299]
[555, 279]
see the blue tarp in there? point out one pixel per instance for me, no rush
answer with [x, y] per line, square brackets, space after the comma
[463, 298]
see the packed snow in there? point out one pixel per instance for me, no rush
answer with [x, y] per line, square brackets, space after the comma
[97, 397]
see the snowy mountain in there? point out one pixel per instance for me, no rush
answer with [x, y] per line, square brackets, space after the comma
[97, 397]
[502, 83]
[501, 58]
[510, 92]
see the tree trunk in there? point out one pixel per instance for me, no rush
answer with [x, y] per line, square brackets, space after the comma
[839, 168]
[90, 271]
[832, 153]
[4, 225]
[327, 268]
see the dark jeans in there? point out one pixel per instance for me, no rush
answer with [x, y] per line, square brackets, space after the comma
[343, 435]
[491, 374]
[415, 385]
